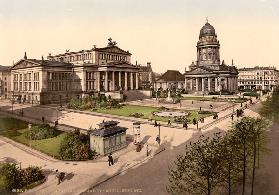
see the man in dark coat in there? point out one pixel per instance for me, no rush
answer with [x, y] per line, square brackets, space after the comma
[110, 159]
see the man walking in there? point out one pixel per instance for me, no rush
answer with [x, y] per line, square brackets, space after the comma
[169, 122]
[59, 176]
[110, 159]
[147, 153]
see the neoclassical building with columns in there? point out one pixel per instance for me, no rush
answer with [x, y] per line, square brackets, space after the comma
[105, 70]
[208, 74]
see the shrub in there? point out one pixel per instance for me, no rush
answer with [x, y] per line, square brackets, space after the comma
[213, 93]
[32, 174]
[204, 112]
[181, 119]
[251, 93]
[14, 178]
[136, 114]
[43, 131]
[75, 147]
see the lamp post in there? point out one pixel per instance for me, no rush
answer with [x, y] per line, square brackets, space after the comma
[136, 132]
[29, 127]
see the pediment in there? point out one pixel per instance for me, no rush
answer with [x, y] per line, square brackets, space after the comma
[24, 64]
[200, 71]
[114, 49]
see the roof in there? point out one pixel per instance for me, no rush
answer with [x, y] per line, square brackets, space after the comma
[35, 62]
[257, 68]
[172, 75]
[207, 29]
[108, 128]
[4, 68]
[113, 49]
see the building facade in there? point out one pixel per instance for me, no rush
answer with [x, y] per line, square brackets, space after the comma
[147, 76]
[5, 82]
[208, 74]
[107, 69]
[43, 81]
[258, 78]
[171, 80]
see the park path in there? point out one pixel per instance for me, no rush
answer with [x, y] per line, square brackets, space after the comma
[82, 175]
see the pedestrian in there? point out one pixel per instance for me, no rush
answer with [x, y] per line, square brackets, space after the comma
[169, 122]
[55, 123]
[200, 108]
[241, 104]
[251, 101]
[192, 102]
[194, 121]
[211, 107]
[155, 124]
[246, 106]
[185, 125]
[147, 153]
[58, 175]
[43, 119]
[110, 159]
[232, 117]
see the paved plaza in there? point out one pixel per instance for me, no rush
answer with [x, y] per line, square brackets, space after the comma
[85, 174]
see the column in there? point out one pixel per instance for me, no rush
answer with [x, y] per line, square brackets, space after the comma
[191, 84]
[106, 81]
[119, 81]
[98, 81]
[113, 81]
[202, 84]
[197, 84]
[216, 84]
[209, 83]
[131, 81]
[137, 81]
[126, 82]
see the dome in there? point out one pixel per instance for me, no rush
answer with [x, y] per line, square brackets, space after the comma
[207, 30]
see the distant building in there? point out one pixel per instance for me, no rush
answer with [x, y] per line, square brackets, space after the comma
[5, 82]
[108, 138]
[43, 81]
[258, 78]
[172, 79]
[147, 76]
[208, 74]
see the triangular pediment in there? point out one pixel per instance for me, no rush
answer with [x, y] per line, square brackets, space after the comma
[114, 49]
[24, 64]
[200, 70]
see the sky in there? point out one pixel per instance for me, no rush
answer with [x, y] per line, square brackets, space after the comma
[163, 32]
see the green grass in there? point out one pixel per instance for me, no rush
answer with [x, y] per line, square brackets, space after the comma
[15, 130]
[126, 110]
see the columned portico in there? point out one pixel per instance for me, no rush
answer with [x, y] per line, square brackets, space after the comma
[131, 81]
[126, 81]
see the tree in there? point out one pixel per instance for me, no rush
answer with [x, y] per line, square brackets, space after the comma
[198, 170]
[270, 107]
[241, 131]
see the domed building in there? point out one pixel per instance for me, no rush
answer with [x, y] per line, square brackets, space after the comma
[208, 74]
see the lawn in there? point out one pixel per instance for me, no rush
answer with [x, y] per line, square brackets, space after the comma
[15, 129]
[126, 110]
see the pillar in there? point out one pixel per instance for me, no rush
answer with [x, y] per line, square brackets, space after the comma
[202, 84]
[208, 83]
[131, 81]
[197, 84]
[191, 84]
[126, 82]
[98, 81]
[106, 81]
[137, 81]
[119, 81]
[216, 84]
[113, 81]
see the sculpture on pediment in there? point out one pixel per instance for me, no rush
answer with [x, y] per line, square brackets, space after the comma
[111, 43]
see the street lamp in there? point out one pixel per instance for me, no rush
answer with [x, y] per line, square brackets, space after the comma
[29, 127]
[136, 132]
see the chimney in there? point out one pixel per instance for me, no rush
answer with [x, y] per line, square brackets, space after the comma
[25, 56]
[232, 62]
[136, 62]
[148, 64]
